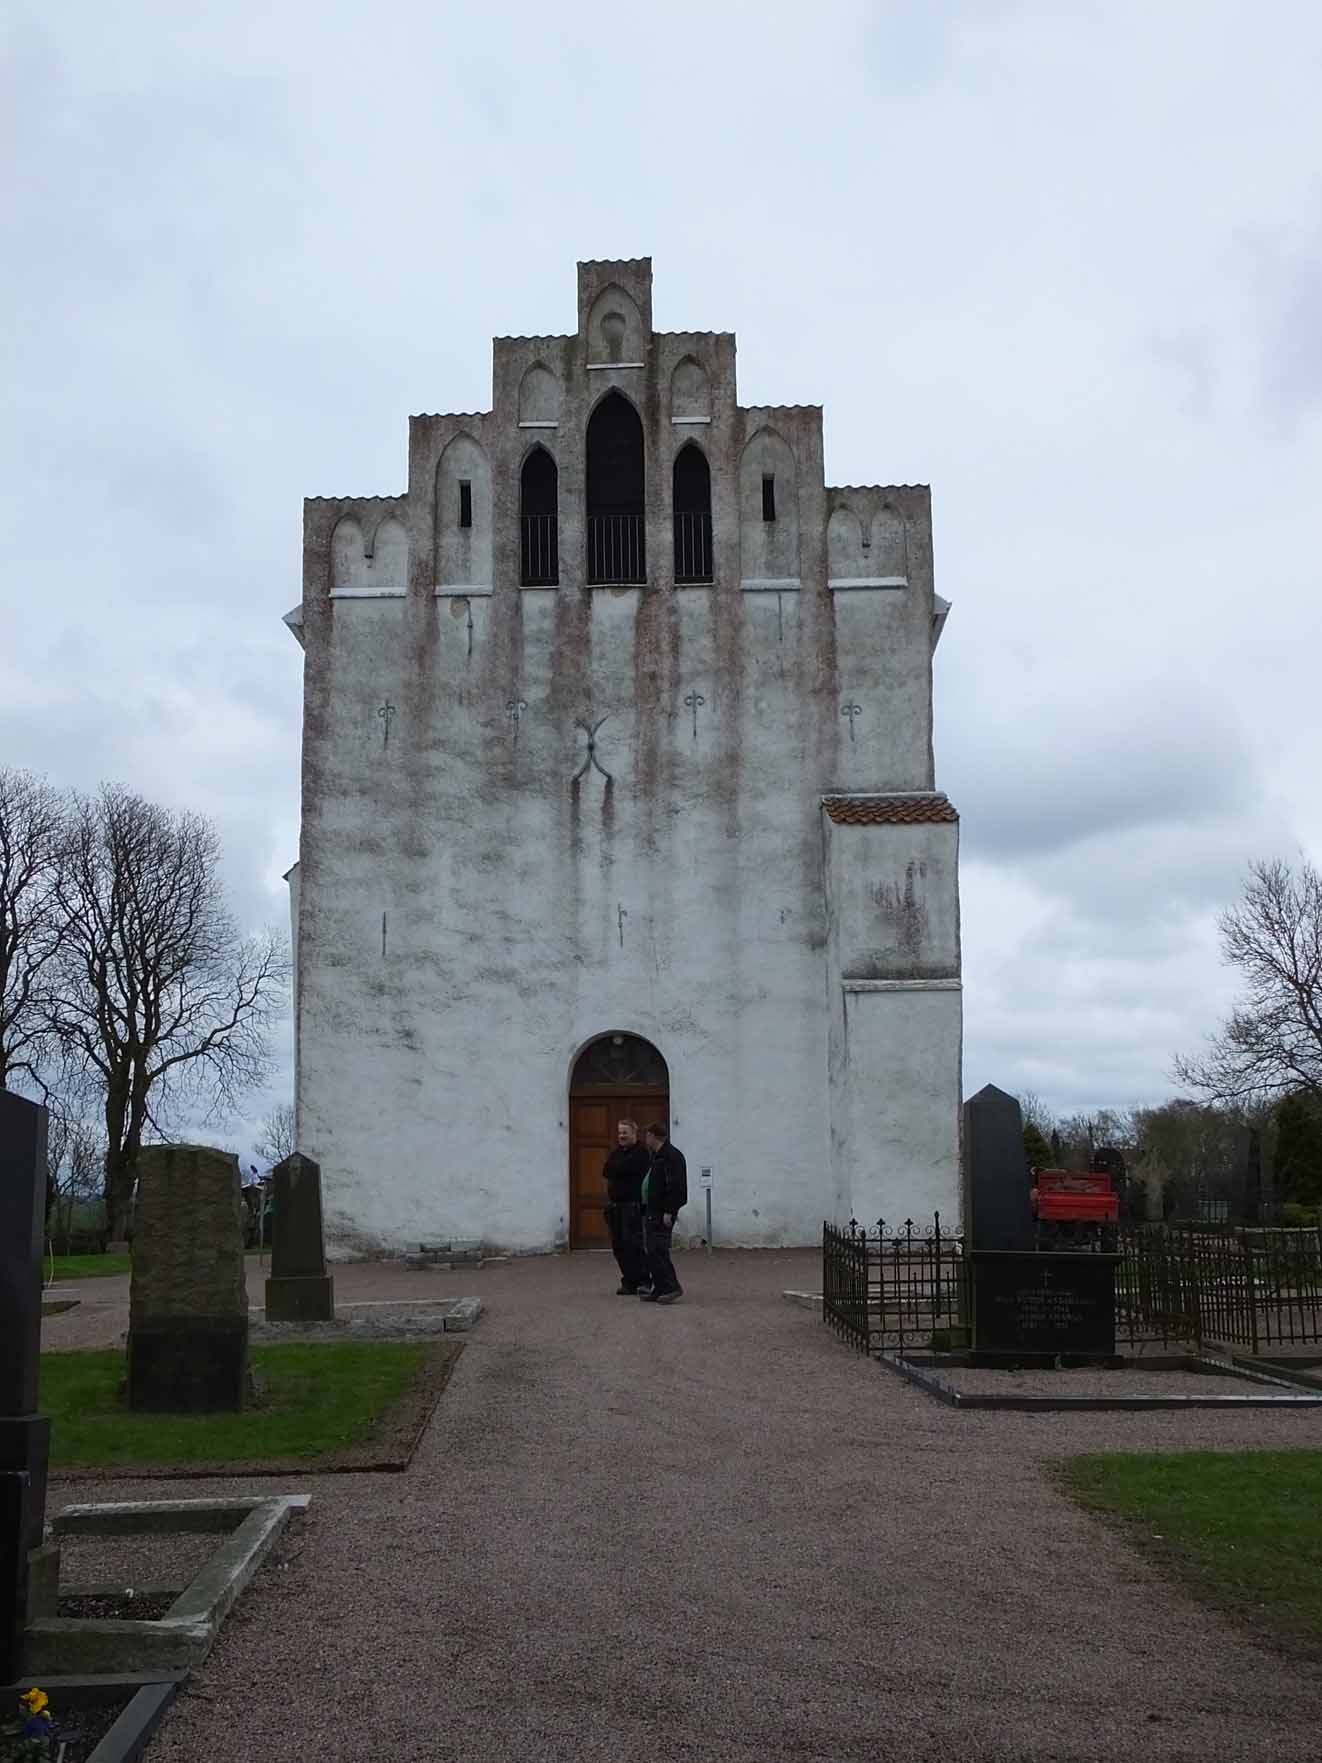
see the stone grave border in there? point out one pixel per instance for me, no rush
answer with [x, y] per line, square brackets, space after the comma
[925, 1374]
[150, 1696]
[186, 1633]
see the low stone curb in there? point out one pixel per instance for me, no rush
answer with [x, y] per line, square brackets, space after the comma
[933, 1384]
[376, 1321]
[186, 1633]
[805, 1300]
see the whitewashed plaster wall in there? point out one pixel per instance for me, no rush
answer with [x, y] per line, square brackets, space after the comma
[535, 816]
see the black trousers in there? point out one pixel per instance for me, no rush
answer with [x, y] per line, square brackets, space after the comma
[624, 1218]
[660, 1268]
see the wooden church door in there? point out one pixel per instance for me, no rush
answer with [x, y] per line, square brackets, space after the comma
[618, 1077]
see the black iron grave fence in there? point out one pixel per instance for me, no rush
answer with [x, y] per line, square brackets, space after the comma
[891, 1287]
[1258, 1289]
[1255, 1288]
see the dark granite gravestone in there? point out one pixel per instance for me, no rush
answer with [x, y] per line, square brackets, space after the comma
[1043, 1305]
[1248, 1164]
[188, 1302]
[299, 1289]
[998, 1208]
[24, 1437]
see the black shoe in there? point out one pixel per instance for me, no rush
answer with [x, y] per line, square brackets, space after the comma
[670, 1297]
[623, 1291]
[648, 1297]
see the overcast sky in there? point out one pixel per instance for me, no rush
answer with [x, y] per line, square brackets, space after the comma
[1062, 261]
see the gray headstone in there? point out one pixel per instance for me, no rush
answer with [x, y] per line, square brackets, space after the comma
[299, 1289]
[188, 1302]
[998, 1207]
[24, 1437]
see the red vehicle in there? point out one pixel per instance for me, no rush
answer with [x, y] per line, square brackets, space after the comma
[1075, 1209]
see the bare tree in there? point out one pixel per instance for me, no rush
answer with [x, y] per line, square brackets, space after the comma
[31, 827]
[162, 996]
[277, 1137]
[76, 1179]
[1036, 1113]
[1272, 1044]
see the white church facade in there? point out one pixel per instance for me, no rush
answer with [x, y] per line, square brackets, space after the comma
[618, 798]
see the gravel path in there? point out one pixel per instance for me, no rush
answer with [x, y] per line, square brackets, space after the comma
[711, 1532]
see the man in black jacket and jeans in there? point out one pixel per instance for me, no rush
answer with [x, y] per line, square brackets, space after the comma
[625, 1168]
[665, 1193]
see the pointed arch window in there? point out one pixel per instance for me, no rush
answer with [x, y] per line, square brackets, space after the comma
[616, 540]
[539, 521]
[692, 502]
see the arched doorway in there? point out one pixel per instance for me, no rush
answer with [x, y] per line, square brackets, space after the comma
[616, 1077]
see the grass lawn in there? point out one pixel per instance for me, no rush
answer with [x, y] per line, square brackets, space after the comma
[1244, 1528]
[85, 1266]
[103, 1266]
[313, 1400]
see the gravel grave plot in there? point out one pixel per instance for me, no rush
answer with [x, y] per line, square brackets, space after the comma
[142, 1560]
[1083, 1381]
[712, 1534]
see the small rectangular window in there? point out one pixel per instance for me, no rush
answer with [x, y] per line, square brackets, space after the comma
[768, 495]
[465, 502]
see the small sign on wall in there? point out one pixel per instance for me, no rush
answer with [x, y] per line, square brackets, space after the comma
[704, 1176]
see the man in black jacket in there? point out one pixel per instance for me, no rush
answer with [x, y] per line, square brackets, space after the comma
[665, 1194]
[625, 1168]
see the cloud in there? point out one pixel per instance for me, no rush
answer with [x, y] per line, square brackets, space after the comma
[1052, 262]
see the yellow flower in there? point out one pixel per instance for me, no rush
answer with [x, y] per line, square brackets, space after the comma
[35, 1700]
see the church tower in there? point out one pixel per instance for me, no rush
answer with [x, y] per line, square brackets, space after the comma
[618, 800]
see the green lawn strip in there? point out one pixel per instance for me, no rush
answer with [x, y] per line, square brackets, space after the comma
[86, 1266]
[1243, 1528]
[313, 1400]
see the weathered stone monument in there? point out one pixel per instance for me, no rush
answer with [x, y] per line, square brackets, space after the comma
[188, 1306]
[299, 1289]
[24, 1435]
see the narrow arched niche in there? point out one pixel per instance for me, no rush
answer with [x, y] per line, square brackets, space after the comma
[690, 392]
[844, 545]
[539, 395]
[615, 328]
[348, 559]
[768, 510]
[463, 515]
[388, 572]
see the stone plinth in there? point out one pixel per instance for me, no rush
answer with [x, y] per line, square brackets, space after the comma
[299, 1289]
[188, 1308]
[1043, 1305]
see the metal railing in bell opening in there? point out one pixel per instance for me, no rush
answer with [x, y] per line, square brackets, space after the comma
[889, 1288]
[1238, 1286]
